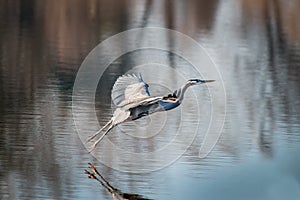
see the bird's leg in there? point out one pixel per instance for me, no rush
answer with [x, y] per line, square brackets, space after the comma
[95, 144]
[93, 136]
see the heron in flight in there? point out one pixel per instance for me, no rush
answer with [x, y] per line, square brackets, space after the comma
[131, 95]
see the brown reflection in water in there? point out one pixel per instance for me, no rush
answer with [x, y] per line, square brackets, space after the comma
[272, 72]
[285, 12]
[191, 16]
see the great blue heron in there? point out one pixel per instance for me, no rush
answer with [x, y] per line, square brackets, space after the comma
[133, 100]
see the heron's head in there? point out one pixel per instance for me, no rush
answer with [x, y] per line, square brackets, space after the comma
[199, 81]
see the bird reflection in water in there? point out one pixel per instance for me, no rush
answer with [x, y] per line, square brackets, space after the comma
[114, 192]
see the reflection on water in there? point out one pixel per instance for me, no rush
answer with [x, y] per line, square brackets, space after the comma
[254, 43]
[93, 173]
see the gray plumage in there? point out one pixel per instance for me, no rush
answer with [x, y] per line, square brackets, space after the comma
[133, 100]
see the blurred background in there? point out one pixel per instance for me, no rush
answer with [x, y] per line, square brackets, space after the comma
[255, 44]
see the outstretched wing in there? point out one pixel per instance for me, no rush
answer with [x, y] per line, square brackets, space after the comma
[129, 88]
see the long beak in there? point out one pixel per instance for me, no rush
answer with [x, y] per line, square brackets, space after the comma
[208, 81]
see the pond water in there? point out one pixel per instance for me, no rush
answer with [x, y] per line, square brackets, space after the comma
[256, 48]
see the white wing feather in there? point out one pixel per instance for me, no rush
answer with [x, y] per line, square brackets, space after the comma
[128, 89]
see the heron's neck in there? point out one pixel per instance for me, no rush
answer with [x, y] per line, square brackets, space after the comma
[182, 90]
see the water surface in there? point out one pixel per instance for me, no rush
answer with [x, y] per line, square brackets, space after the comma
[255, 44]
